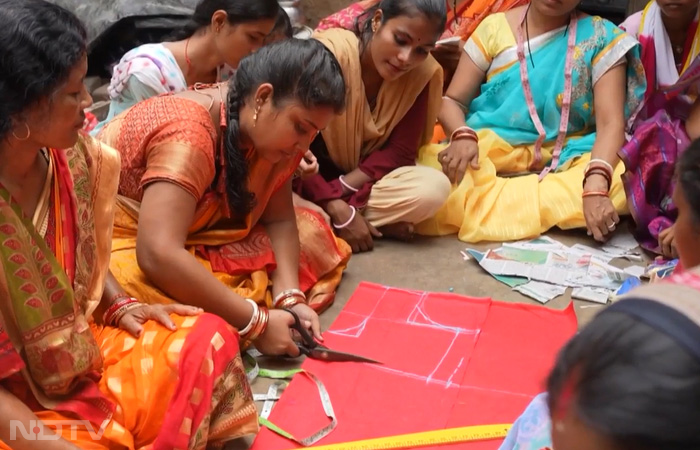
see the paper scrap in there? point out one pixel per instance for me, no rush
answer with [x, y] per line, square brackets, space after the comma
[542, 292]
[596, 295]
[509, 281]
[543, 268]
[635, 271]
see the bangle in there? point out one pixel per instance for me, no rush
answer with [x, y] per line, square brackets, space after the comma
[253, 317]
[109, 315]
[606, 164]
[288, 293]
[259, 326]
[121, 312]
[463, 132]
[349, 221]
[458, 103]
[290, 302]
[346, 185]
[595, 194]
[598, 171]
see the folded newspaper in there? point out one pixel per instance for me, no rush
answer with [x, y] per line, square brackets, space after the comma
[544, 268]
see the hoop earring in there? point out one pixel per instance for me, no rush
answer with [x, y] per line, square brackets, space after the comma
[29, 133]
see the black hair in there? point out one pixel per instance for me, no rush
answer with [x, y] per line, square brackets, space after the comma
[238, 11]
[298, 69]
[434, 10]
[40, 43]
[688, 175]
[283, 24]
[632, 383]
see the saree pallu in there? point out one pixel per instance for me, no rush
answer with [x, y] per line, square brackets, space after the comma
[164, 390]
[485, 205]
[173, 138]
[659, 137]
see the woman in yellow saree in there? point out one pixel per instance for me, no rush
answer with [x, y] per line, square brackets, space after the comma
[205, 214]
[537, 112]
[82, 364]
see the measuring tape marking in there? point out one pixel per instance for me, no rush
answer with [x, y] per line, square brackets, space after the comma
[424, 439]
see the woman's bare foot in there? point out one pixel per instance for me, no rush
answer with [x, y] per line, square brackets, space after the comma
[402, 231]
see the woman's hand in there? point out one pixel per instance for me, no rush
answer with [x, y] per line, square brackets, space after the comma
[667, 243]
[277, 338]
[599, 211]
[302, 203]
[134, 319]
[308, 165]
[457, 156]
[309, 319]
[359, 233]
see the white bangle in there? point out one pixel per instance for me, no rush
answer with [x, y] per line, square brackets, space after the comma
[248, 327]
[600, 161]
[352, 217]
[346, 185]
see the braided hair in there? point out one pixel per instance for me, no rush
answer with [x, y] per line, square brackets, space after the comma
[304, 71]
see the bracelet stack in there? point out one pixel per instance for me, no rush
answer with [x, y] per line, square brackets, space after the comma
[257, 325]
[287, 299]
[119, 306]
[598, 167]
[464, 133]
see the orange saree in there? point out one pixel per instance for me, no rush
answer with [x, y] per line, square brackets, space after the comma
[182, 147]
[164, 390]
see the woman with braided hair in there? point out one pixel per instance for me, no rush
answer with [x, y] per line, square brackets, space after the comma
[204, 212]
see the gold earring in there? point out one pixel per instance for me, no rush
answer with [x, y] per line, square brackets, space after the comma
[255, 116]
[29, 133]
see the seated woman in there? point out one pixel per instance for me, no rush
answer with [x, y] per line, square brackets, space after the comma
[670, 41]
[368, 182]
[463, 16]
[205, 214]
[629, 380]
[73, 345]
[546, 91]
[219, 34]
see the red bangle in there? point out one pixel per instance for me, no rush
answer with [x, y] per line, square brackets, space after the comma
[595, 194]
[116, 306]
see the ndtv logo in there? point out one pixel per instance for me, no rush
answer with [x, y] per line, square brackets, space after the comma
[36, 433]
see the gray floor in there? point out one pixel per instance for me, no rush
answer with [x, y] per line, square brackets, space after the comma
[431, 264]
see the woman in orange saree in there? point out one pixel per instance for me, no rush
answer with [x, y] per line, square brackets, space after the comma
[142, 377]
[205, 214]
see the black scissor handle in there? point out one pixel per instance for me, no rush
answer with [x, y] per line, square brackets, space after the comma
[307, 341]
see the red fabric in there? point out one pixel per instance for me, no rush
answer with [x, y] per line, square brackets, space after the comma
[449, 361]
[401, 149]
[10, 361]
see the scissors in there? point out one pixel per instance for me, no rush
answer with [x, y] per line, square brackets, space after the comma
[309, 347]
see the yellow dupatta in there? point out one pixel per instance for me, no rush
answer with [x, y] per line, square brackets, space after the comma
[360, 129]
[43, 313]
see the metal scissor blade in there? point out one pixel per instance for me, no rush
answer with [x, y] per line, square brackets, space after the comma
[326, 354]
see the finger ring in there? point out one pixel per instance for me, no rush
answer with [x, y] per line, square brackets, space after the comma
[611, 227]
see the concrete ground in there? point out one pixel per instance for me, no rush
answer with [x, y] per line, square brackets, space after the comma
[429, 264]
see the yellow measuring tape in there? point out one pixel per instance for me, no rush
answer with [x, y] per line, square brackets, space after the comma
[425, 439]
